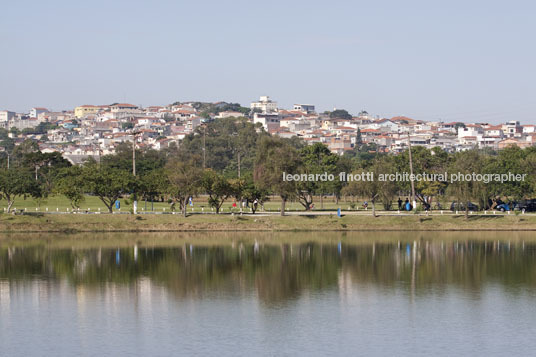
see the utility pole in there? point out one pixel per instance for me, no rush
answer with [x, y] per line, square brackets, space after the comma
[135, 202]
[204, 146]
[411, 174]
[134, 155]
[239, 164]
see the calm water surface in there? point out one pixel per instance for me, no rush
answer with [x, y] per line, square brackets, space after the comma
[266, 294]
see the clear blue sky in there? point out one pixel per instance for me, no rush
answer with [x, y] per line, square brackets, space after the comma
[450, 60]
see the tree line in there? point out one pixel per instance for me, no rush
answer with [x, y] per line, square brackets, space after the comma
[233, 158]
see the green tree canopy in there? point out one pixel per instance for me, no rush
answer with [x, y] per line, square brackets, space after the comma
[217, 187]
[107, 183]
[17, 182]
[276, 157]
[184, 180]
[70, 182]
[316, 159]
[225, 143]
[340, 114]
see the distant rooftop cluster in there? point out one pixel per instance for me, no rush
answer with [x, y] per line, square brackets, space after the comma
[94, 130]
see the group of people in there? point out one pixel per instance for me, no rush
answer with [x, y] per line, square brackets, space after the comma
[402, 205]
[245, 204]
[407, 205]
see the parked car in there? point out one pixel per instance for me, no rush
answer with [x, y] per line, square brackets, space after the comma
[525, 205]
[500, 205]
[503, 207]
[460, 206]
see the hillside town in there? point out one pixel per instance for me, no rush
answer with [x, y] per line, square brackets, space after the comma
[95, 130]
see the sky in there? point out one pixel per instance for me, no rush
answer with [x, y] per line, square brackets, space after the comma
[472, 61]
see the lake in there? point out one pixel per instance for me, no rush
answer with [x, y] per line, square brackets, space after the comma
[268, 294]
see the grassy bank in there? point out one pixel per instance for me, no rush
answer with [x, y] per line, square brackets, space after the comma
[176, 223]
[178, 239]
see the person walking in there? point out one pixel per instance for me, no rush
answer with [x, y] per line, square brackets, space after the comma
[399, 203]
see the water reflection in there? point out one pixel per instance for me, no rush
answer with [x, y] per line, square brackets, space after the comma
[276, 271]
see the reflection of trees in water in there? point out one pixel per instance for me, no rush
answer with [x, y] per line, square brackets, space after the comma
[284, 274]
[281, 272]
[438, 264]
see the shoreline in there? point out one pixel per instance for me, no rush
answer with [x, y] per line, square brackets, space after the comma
[80, 223]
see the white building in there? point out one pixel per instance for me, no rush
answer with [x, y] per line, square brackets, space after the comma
[470, 131]
[529, 129]
[269, 121]
[6, 116]
[192, 123]
[299, 125]
[512, 128]
[305, 108]
[386, 124]
[124, 108]
[494, 130]
[34, 112]
[22, 124]
[489, 141]
[229, 114]
[264, 105]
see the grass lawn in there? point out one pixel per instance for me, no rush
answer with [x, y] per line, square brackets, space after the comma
[62, 204]
[92, 203]
[169, 222]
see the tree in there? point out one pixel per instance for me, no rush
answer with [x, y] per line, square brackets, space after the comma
[316, 159]
[69, 182]
[14, 131]
[6, 142]
[107, 183]
[152, 184]
[426, 161]
[363, 155]
[146, 160]
[510, 160]
[127, 125]
[223, 141]
[217, 187]
[376, 185]
[237, 189]
[388, 188]
[358, 139]
[45, 164]
[253, 193]
[41, 128]
[529, 163]
[208, 109]
[45, 167]
[459, 125]
[184, 180]
[20, 151]
[17, 182]
[340, 114]
[276, 157]
[466, 163]
[344, 165]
